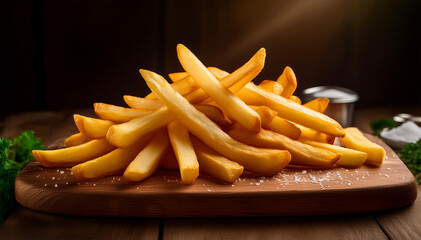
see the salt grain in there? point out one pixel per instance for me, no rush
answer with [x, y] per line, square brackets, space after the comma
[55, 185]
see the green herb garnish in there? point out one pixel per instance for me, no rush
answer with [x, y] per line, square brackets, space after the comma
[411, 156]
[378, 125]
[14, 155]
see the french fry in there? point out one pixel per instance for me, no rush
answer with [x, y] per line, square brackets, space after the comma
[311, 134]
[175, 77]
[218, 73]
[295, 99]
[117, 114]
[182, 86]
[169, 161]
[283, 127]
[288, 82]
[184, 152]
[216, 165]
[271, 86]
[289, 110]
[142, 103]
[68, 157]
[318, 104]
[230, 104]
[76, 139]
[91, 127]
[114, 162]
[349, 158]
[301, 154]
[265, 161]
[213, 113]
[266, 114]
[354, 139]
[147, 161]
[234, 81]
[125, 134]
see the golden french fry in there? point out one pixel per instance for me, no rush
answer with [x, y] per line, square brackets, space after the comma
[213, 113]
[311, 134]
[318, 104]
[68, 157]
[289, 110]
[354, 139]
[182, 86]
[271, 86]
[147, 161]
[283, 127]
[184, 152]
[266, 114]
[175, 77]
[230, 104]
[288, 82]
[125, 134]
[214, 164]
[111, 163]
[142, 103]
[92, 127]
[218, 73]
[295, 99]
[349, 158]
[265, 161]
[236, 80]
[117, 114]
[169, 161]
[301, 154]
[76, 139]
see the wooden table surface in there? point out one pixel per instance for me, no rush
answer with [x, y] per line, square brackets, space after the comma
[403, 223]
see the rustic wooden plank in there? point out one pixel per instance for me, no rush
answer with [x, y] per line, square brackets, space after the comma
[313, 227]
[27, 224]
[299, 191]
[402, 223]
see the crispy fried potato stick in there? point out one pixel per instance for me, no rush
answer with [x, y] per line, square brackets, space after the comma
[236, 80]
[117, 114]
[271, 86]
[147, 161]
[125, 134]
[114, 162]
[169, 161]
[266, 114]
[295, 99]
[68, 157]
[311, 134]
[350, 158]
[76, 139]
[302, 154]
[184, 152]
[283, 127]
[92, 127]
[265, 161]
[142, 103]
[218, 73]
[318, 104]
[213, 113]
[177, 76]
[354, 139]
[251, 94]
[288, 82]
[216, 165]
[230, 104]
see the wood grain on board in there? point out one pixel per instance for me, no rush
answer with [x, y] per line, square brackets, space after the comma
[291, 192]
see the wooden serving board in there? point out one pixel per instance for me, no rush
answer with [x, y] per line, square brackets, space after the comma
[291, 192]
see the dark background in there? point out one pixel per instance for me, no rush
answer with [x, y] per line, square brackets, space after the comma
[64, 54]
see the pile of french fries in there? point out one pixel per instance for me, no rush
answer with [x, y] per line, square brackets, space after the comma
[210, 121]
